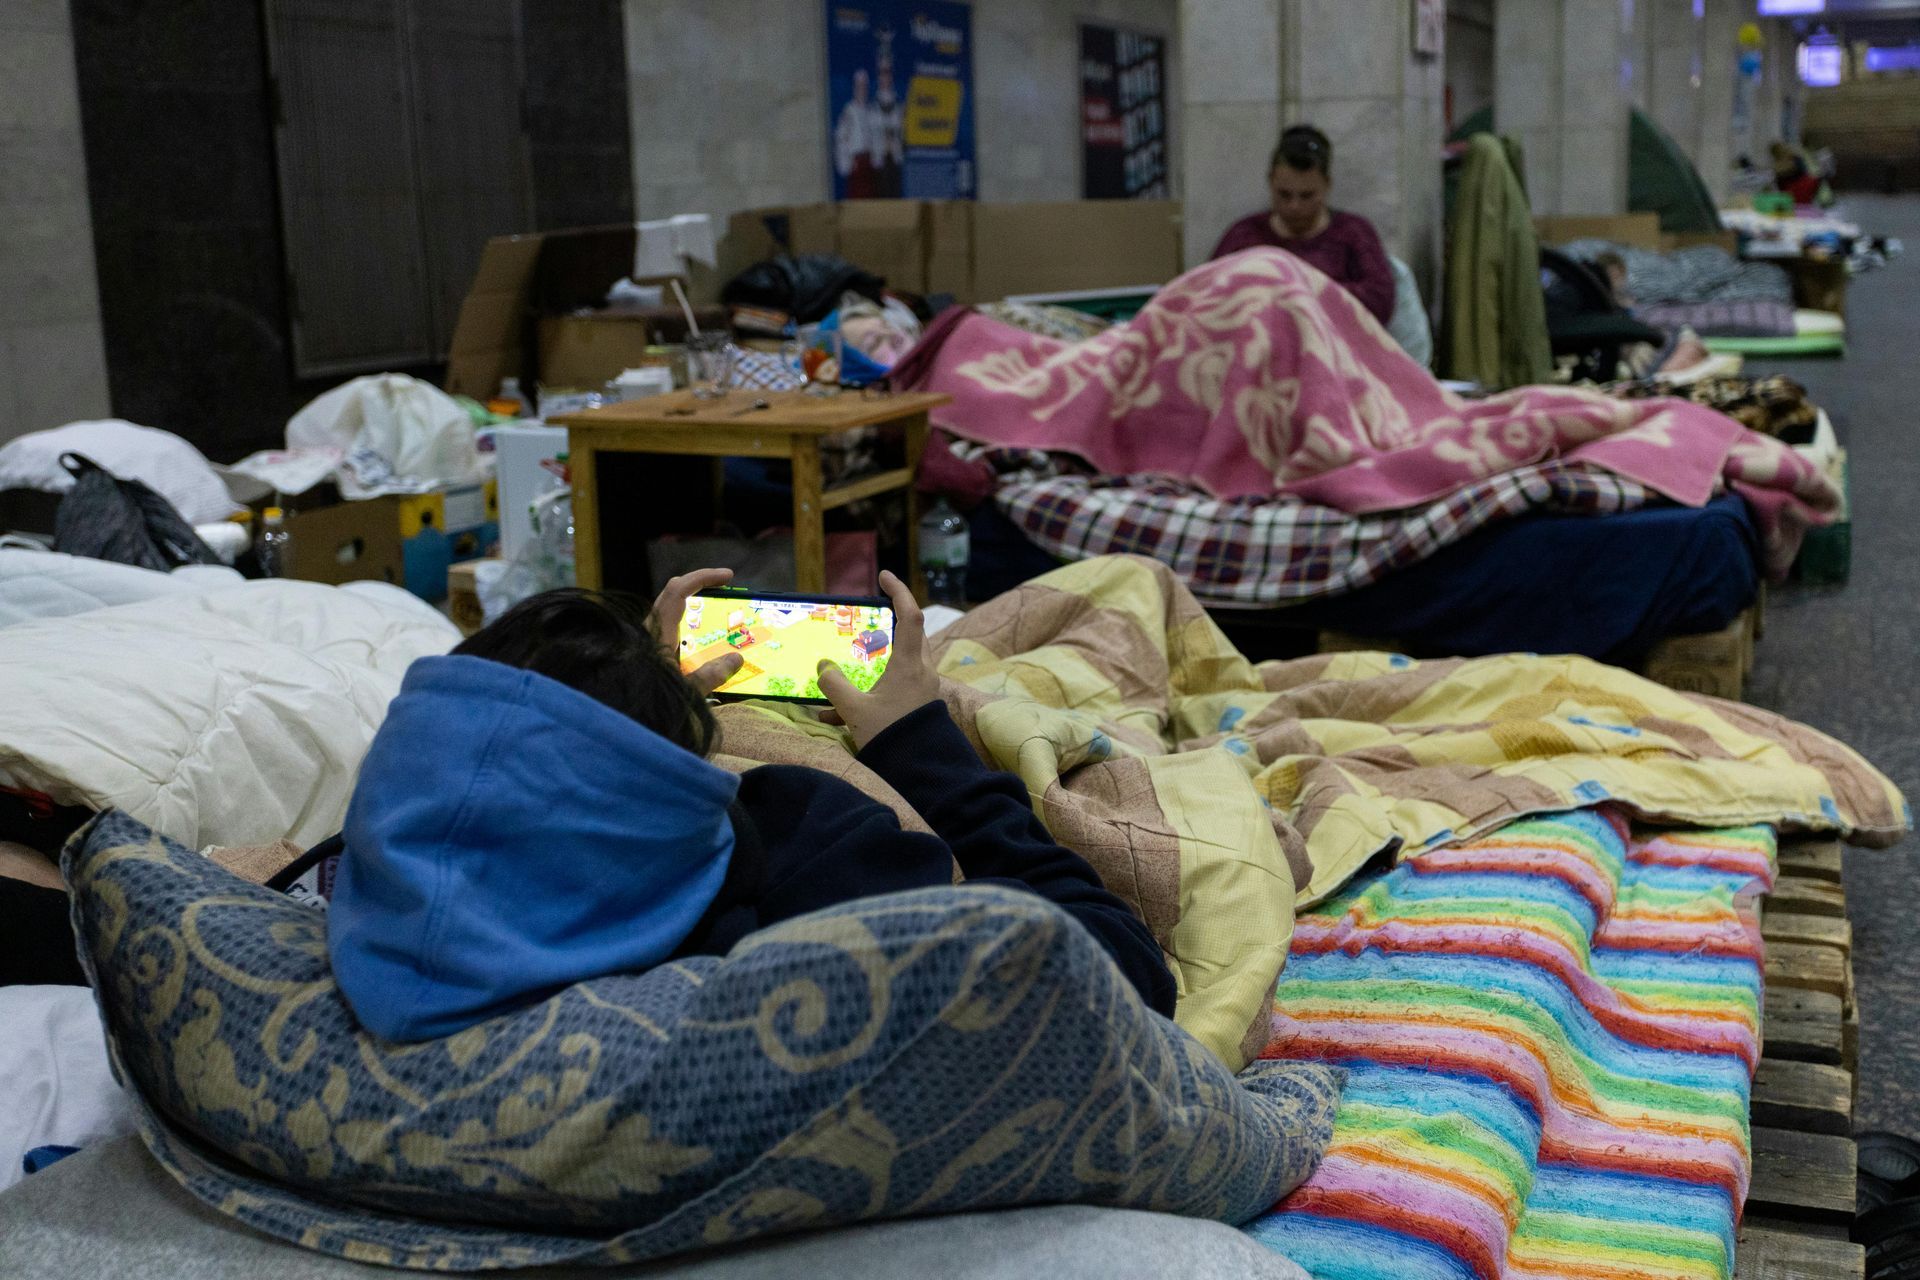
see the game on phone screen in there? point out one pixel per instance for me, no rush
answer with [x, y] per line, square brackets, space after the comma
[783, 639]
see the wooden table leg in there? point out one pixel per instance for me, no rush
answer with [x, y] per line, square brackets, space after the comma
[588, 570]
[916, 437]
[809, 518]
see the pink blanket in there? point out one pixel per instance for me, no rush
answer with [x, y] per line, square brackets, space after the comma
[1257, 375]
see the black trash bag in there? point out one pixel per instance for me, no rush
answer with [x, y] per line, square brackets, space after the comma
[807, 288]
[107, 518]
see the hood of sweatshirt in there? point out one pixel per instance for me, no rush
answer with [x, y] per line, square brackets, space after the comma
[511, 836]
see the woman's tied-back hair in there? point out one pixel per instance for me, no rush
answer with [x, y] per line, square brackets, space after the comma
[1304, 148]
[603, 644]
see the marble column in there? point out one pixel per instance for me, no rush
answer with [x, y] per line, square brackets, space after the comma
[1251, 67]
[1775, 114]
[1675, 57]
[1563, 79]
[1350, 68]
[1229, 54]
[53, 365]
[1719, 65]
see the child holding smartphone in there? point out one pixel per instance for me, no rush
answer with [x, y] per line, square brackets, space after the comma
[538, 810]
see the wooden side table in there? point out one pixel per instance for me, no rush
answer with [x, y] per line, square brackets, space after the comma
[745, 424]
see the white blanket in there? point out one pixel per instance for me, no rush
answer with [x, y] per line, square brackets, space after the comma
[47, 584]
[237, 715]
[57, 1087]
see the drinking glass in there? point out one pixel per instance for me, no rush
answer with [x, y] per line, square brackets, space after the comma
[710, 363]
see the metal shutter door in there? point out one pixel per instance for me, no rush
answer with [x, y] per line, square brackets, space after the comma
[472, 148]
[349, 201]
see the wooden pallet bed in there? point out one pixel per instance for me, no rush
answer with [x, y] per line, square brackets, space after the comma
[1801, 1201]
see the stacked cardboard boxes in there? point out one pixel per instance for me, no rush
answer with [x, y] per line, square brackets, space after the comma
[534, 312]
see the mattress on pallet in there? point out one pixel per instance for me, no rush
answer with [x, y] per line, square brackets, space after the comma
[1608, 587]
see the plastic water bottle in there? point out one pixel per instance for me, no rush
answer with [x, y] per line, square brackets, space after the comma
[272, 551]
[944, 548]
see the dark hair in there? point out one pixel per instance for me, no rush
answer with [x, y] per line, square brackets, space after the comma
[603, 644]
[1303, 148]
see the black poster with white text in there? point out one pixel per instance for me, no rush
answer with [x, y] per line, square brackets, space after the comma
[1123, 114]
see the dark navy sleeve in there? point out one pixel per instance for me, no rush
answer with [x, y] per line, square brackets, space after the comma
[826, 842]
[987, 820]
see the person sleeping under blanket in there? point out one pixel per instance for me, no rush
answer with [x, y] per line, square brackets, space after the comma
[538, 810]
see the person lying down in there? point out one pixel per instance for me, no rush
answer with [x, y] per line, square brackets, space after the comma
[538, 809]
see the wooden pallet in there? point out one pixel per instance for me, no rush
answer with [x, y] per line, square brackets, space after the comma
[1800, 1202]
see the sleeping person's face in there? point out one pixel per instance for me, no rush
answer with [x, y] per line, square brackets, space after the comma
[1299, 198]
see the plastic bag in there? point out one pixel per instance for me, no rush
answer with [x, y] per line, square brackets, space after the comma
[393, 433]
[125, 521]
[806, 287]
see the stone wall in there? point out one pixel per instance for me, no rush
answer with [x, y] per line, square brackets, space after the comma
[53, 365]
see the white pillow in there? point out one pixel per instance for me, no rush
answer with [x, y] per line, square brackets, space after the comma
[163, 461]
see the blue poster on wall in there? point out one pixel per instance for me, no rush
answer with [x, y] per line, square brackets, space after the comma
[900, 99]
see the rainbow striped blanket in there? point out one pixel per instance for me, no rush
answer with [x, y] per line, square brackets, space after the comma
[1551, 1033]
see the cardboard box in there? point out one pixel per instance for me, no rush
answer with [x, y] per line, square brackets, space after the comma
[888, 238]
[584, 353]
[346, 542]
[1637, 230]
[443, 528]
[533, 312]
[1818, 284]
[1072, 245]
[950, 249]
[525, 294]
[1728, 240]
[489, 339]
[976, 252]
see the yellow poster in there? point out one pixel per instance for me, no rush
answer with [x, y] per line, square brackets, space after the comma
[933, 111]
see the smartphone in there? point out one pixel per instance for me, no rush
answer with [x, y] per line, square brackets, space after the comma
[783, 638]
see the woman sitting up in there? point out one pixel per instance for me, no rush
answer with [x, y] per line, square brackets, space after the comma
[539, 810]
[1344, 245]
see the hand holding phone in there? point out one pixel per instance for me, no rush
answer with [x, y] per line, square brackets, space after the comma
[909, 682]
[669, 611]
[768, 645]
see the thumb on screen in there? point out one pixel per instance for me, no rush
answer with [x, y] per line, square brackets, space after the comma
[834, 683]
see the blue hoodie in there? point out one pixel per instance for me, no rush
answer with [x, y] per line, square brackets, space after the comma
[511, 836]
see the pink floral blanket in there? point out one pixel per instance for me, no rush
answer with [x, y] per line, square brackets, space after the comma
[1258, 375]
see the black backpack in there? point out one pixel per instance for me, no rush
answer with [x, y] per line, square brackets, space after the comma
[108, 518]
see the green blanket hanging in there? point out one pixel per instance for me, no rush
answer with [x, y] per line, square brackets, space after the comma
[1496, 314]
